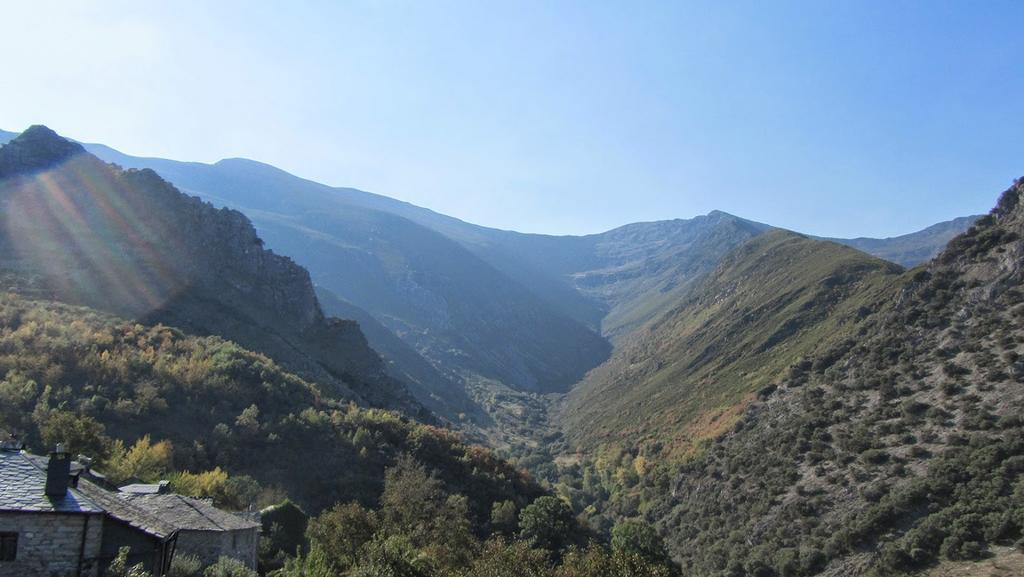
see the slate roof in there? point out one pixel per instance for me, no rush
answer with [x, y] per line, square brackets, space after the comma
[145, 488]
[189, 514]
[125, 511]
[23, 488]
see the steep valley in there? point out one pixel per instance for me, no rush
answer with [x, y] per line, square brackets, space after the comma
[686, 377]
[483, 313]
[772, 404]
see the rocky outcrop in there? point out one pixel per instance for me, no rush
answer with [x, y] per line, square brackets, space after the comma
[38, 148]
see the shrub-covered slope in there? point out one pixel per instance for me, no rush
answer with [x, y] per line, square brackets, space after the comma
[220, 406]
[394, 497]
[887, 452]
[78, 230]
[686, 376]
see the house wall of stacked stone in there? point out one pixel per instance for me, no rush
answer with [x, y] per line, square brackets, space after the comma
[53, 544]
[242, 545]
[210, 546]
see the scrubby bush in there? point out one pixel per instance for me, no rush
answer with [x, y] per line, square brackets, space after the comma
[228, 567]
[119, 567]
[185, 566]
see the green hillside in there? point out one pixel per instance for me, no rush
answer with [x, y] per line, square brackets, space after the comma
[219, 405]
[390, 495]
[686, 377]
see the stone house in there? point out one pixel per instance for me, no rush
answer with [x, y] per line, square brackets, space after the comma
[202, 529]
[152, 540]
[46, 527]
[58, 521]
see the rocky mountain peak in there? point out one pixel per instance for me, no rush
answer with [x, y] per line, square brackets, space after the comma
[38, 148]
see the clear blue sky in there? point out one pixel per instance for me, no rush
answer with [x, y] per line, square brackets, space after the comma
[834, 118]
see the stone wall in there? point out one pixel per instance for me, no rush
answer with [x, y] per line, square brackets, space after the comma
[50, 544]
[242, 545]
[212, 545]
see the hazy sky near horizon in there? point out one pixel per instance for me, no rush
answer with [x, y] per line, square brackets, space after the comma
[832, 118]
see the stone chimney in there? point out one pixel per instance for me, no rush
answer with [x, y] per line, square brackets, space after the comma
[58, 473]
[10, 443]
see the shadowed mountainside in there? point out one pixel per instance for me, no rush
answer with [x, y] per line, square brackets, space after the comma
[452, 307]
[439, 392]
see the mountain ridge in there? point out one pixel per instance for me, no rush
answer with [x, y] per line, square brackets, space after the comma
[113, 155]
[912, 249]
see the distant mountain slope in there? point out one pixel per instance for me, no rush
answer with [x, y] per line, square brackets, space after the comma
[685, 377]
[448, 304]
[638, 271]
[912, 249]
[78, 230]
[885, 452]
[501, 248]
[592, 279]
[442, 299]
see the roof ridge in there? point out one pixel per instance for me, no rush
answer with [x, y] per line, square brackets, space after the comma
[149, 521]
